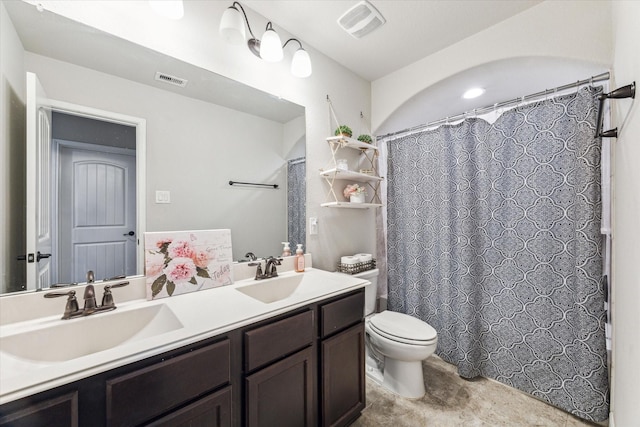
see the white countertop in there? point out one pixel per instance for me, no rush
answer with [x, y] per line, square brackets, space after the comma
[203, 314]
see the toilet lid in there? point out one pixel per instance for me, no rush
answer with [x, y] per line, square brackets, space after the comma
[403, 327]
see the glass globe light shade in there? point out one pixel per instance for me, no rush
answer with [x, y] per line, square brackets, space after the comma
[271, 46]
[301, 63]
[232, 26]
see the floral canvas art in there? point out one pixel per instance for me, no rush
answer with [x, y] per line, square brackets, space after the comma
[179, 262]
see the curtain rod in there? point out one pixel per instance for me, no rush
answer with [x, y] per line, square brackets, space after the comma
[515, 101]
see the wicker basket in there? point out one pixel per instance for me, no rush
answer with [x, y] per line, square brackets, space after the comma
[358, 267]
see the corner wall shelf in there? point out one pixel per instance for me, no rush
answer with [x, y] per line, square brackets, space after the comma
[334, 174]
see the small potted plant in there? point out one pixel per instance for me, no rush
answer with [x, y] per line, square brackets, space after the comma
[355, 193]
[365, 138]
[344, 130]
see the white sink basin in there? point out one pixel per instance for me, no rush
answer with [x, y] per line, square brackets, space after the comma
[272, 290]
[70, 339]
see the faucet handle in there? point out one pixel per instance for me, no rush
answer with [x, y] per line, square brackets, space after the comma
[259, 274]
[107, 298]
[60, 294]
[72, 302]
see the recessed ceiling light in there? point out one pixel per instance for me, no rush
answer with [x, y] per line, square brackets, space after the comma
[473, 93]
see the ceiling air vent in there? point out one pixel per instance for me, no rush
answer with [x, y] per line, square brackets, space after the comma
[361, 19]
[176, 81]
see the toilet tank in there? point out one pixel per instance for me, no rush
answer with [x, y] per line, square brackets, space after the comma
[370, 291]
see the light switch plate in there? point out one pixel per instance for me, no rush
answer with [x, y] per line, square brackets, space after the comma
[163, 196]
[313, 225]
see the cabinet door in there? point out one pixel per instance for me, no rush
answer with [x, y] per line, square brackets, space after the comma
[343, 377]
[60, 412]
[211, 411]
[282, 394]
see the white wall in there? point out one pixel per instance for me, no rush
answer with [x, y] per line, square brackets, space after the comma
[626, 226]
[193, 149]
[12, 134]
[559, 29]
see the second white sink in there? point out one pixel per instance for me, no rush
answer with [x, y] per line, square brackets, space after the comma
[272, 290]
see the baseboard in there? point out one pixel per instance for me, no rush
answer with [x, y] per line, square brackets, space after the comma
[611, 422]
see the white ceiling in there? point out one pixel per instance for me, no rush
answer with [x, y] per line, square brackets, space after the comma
[414, 29]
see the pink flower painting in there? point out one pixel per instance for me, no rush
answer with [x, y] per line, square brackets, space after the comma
[187, 261]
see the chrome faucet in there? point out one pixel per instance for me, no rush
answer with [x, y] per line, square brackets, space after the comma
[71, 309]
[270, 267]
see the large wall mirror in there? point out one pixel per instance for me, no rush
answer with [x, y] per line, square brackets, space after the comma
[201, 131]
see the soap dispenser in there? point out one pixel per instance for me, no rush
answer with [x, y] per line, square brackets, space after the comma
[299, 262]
[287, 250]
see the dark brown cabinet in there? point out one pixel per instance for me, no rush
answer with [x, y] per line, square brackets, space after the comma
[343, 377]
[59, 411]
[301, 368]
[282, 393]
[280, 372]
[342, 358]
[141, 395]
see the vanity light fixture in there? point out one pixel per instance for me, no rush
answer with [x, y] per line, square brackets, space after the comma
[270, 48]
[172, 9]
[473, 93]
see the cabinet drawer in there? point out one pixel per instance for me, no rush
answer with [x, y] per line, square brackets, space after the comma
[340, 314]
[275, 340]
[146, 393]
[211, 411]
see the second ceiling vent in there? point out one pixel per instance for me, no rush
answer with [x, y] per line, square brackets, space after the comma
[361, 19]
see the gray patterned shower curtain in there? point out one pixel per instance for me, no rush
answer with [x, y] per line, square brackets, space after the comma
[296, 202]
[494, 239]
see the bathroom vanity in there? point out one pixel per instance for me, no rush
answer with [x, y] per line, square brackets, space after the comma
[296, 361]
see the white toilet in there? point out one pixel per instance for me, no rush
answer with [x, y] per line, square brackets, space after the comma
[396, 345]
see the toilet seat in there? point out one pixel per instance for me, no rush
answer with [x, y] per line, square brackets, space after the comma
[403, 328]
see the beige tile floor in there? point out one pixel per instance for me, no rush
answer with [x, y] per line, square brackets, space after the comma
[453, 401]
